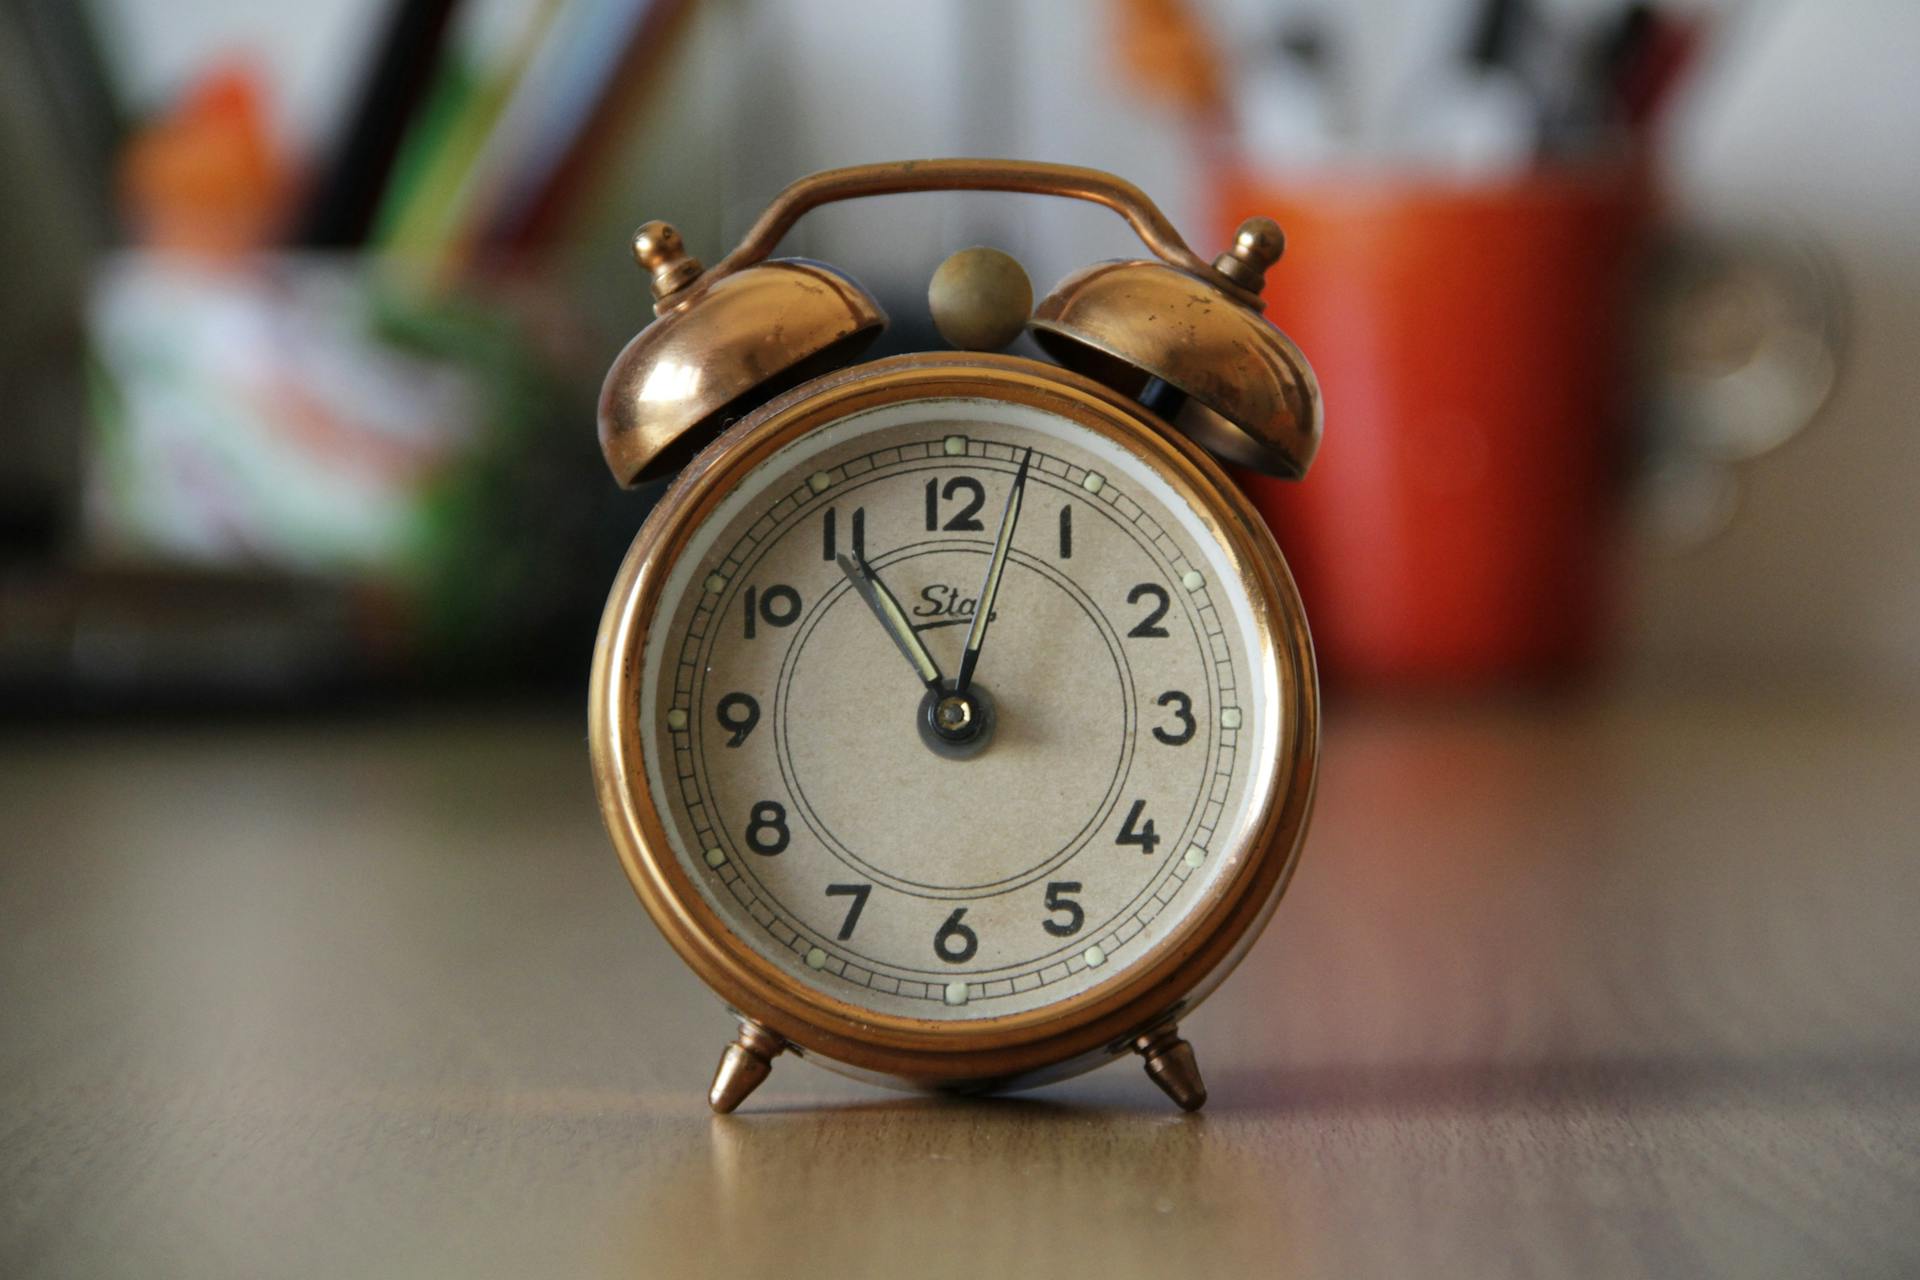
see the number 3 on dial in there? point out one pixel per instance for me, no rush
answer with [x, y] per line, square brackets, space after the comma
[1182, 712]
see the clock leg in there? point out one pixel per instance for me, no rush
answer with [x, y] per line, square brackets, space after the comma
[745, 1064]
[1170, 1065]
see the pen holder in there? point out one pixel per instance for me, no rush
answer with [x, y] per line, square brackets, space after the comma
[1476, 347]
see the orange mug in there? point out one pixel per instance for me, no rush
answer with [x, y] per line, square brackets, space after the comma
[1473, 347]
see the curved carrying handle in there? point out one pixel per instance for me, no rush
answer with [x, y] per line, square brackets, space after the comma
[1022, 176]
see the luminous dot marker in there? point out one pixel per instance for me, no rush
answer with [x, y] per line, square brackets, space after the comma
[955, 446]
[816, 958]
[676, 719]
[956, 993]
[1229, 717]
[715, 857]
[1094, 956]
[1192, 580]
[1195, 855]
[1094, 482]
[819, 481]
[716, 582]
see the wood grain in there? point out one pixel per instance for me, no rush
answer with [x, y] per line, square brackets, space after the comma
[1612, 989]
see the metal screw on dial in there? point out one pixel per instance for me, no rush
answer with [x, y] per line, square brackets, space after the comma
[953, 716]
[957, 726]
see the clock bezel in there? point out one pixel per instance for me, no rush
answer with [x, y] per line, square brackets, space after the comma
[1102, 1019]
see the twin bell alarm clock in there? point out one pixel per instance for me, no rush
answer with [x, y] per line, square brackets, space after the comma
[954, 714]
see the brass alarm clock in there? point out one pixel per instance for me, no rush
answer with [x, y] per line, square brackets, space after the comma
[954, 714]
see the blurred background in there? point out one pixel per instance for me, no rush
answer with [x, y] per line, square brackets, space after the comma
[307, 307]
[1601, 959]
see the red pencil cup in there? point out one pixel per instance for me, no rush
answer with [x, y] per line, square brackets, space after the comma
[1472, 346]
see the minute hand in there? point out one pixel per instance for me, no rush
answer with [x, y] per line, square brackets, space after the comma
[983, 610]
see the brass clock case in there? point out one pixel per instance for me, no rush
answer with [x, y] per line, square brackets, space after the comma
[1019, 1048]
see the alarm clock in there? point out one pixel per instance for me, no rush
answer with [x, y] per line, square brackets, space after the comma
[953, 714]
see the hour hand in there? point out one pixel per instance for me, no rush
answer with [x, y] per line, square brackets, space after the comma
[894, 619]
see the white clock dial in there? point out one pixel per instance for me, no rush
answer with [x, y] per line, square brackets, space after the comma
[783, 727]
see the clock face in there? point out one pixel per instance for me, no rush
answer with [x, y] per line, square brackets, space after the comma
[1124, 709]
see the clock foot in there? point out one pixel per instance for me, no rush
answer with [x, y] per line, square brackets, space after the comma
[744, 1065]
[1170, 1065]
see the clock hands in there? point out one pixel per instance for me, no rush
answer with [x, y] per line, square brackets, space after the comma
[955, 722]
[894, 619]
[983, 610]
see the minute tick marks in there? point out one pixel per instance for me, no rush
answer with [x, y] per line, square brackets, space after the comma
[1051, 799]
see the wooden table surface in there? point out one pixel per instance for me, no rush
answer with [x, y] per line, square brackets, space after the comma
[1619, 988]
